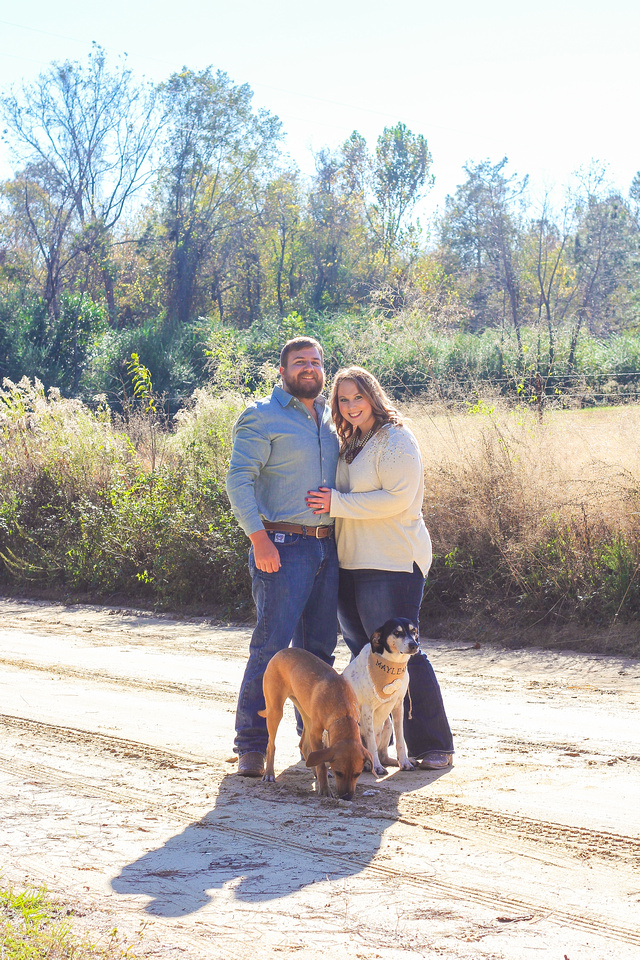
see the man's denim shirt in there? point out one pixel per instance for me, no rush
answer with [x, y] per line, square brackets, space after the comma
[279, 454]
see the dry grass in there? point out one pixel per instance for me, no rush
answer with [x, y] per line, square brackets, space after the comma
[534, 520]
[512, 464]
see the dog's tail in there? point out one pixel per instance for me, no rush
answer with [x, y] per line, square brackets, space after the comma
[262, 713]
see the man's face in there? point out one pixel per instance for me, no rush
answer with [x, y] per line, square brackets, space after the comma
[303, 375]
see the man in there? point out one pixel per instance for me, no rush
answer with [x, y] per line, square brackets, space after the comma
[283, 447]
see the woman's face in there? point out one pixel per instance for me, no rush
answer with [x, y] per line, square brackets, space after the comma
[354, 406]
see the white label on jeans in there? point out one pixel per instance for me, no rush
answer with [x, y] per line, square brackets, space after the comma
[279, 538]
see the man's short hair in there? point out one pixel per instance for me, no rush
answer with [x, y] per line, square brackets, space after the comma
[299, 343]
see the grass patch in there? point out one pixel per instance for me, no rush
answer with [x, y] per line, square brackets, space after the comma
[34, 927]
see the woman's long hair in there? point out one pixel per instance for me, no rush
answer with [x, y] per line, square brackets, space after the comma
[367, 385]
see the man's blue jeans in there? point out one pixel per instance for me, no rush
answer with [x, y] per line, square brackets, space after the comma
[298, 604]
[367, 599]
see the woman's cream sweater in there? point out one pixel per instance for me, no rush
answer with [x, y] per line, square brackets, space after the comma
[377, 504]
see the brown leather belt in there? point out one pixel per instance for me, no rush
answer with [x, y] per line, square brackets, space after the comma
[317, 532]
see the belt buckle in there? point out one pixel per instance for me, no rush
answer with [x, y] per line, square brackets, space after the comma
[316, 531]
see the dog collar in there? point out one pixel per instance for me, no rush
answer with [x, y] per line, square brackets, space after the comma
[386, 675]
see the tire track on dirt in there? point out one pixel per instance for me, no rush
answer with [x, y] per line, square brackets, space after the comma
[388, 804]
[129, 749]
[138, 635]
[200, 692]
[585, 842]
[229, 698]
[517, 745]
[86, 786]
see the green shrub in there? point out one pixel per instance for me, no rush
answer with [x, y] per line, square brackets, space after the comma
[80, 512]
[176, 360]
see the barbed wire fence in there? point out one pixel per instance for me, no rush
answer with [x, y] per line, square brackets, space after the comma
[548, 390]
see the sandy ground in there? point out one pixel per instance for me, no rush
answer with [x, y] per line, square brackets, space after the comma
[119, 793]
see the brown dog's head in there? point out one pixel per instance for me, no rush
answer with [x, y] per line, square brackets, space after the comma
[398, 635]
[346, 759]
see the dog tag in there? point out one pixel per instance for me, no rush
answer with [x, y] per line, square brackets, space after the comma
[279, 537]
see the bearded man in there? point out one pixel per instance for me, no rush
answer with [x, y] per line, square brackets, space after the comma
[283, 447]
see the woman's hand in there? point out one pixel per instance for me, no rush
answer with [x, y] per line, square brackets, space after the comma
[319, 500]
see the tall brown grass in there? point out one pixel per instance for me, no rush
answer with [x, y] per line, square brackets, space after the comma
[535, 523]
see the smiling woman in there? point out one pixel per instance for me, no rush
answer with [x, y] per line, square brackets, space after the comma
[384, 548]
[354, 407]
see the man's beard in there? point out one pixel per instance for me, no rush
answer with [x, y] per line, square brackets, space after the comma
[307, 390]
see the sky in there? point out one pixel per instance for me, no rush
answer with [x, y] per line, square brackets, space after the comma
[551, 85]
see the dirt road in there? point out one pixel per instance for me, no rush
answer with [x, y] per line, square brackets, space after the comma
[118, 793]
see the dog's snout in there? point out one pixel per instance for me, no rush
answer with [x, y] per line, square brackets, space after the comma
[413, 646]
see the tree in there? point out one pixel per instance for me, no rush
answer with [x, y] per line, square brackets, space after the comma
[281, 230]
[42, 213]
[336, 231]
[399, 173]
[358, 211]
[551, 238]
[603, 255]
[481, 235]
[84, 134]
[216, 154]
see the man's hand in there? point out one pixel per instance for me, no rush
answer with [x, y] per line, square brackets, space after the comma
[265, 553]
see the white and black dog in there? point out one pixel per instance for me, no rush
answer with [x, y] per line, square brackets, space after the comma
[380, 679]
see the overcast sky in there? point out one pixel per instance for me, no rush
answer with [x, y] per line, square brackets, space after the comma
[551, 85]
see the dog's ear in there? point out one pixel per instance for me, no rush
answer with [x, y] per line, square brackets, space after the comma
[367, 756]
[319, 756]
[377, 643]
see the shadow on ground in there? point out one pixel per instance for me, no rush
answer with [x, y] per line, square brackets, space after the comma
[264, 841]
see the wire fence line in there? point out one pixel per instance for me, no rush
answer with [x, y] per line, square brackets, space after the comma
[563, 389]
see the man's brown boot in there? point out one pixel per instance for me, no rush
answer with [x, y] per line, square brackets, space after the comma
[251, 764]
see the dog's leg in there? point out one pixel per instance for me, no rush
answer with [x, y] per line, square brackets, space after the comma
[315, 740]
[383, 745]
[323, 780]
[367, 730]
[273, 714]
[305, 740]
[398, 729]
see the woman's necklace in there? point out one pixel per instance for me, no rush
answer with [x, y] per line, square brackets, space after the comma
[354, 446]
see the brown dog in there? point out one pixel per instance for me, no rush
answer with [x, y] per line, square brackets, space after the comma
[325, 701]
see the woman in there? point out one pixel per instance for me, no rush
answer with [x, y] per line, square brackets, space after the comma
[384, 548]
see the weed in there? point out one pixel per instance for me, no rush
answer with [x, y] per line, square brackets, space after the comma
[32, 928]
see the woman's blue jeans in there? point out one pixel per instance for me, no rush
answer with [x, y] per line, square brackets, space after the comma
[366, 600]
[296, 605]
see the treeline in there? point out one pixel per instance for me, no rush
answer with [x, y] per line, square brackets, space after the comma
[166, 220]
